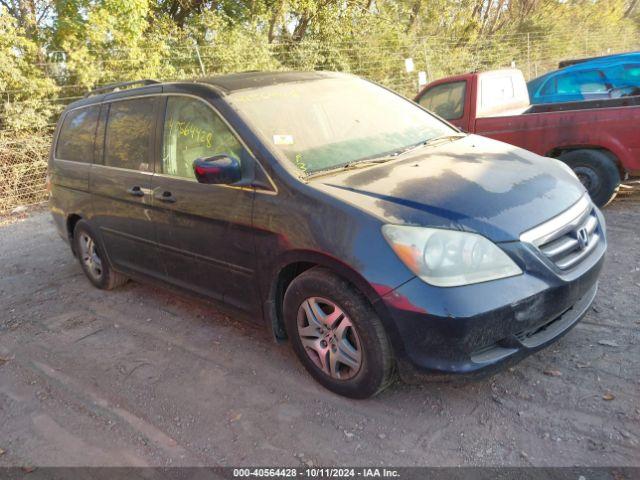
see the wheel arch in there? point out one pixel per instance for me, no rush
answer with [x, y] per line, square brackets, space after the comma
[291, 265]
[71, 222]
[614, 154]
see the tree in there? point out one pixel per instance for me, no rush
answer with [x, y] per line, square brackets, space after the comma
[26, 90]
[30, 15]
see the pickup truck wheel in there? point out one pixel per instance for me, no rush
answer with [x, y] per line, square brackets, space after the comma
[597, 172]
[337, 335]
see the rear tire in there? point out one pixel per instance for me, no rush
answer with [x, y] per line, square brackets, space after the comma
[348, 354]
[94, 263]
[597, 172]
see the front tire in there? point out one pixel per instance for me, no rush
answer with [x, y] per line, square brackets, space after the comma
[337, 335]
[92, 259]
[597, 172]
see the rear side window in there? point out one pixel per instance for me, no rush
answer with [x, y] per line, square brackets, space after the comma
[576, 83]
[621, 76]
[632, 74]
[446, 100]
[129, 135]
[496, 91]
[75, 141]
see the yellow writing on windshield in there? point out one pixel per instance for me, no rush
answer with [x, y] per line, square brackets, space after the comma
[189, 129]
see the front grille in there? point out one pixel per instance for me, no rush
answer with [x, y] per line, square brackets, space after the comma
[570, 237]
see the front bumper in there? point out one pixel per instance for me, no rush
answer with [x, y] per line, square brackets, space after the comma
[474, 330]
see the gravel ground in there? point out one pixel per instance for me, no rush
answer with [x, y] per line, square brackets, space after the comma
[143, 376]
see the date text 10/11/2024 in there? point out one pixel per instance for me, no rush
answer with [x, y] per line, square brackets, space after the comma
[318, 472]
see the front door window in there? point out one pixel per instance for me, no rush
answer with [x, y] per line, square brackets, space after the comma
[193, 130]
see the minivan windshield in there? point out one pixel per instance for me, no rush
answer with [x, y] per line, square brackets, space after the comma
[330, 122]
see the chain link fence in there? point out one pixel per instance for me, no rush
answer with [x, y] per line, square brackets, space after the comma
[23, 168]
[24, 151]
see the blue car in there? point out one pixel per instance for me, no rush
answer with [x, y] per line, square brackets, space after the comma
[612, 76]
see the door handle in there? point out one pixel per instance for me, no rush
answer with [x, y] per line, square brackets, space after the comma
[166, 196]
[136, 191]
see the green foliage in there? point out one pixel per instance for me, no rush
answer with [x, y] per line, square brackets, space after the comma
[90, 42]
[111, 42]
[54, 51]
[24, 87]
[226, 46]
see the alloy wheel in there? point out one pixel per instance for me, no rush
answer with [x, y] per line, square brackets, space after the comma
[89, 256]
[329, 338]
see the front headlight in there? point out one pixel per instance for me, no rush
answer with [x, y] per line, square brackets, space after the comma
[448, 258]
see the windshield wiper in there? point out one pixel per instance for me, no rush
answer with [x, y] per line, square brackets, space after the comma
[423, 143]
[451, 137]
[350, 166]
[365, 162]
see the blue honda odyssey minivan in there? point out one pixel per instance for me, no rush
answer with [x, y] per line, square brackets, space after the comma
[371, 234]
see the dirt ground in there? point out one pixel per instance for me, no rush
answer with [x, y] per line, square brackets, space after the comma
[142, 376]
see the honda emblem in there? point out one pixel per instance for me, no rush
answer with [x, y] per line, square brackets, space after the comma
[583, 238]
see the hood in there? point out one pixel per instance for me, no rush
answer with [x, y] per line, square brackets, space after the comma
[473, 184]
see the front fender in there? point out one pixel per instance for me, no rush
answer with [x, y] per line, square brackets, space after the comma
[373, 292]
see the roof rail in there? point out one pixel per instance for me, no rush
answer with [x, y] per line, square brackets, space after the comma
[568, 63]
[114, 87]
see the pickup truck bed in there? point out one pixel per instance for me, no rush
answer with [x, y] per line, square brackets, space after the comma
[599, 139]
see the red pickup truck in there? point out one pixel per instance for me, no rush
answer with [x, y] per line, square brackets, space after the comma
[598, 139]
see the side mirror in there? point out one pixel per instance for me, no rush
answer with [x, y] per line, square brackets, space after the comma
[219, 169]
